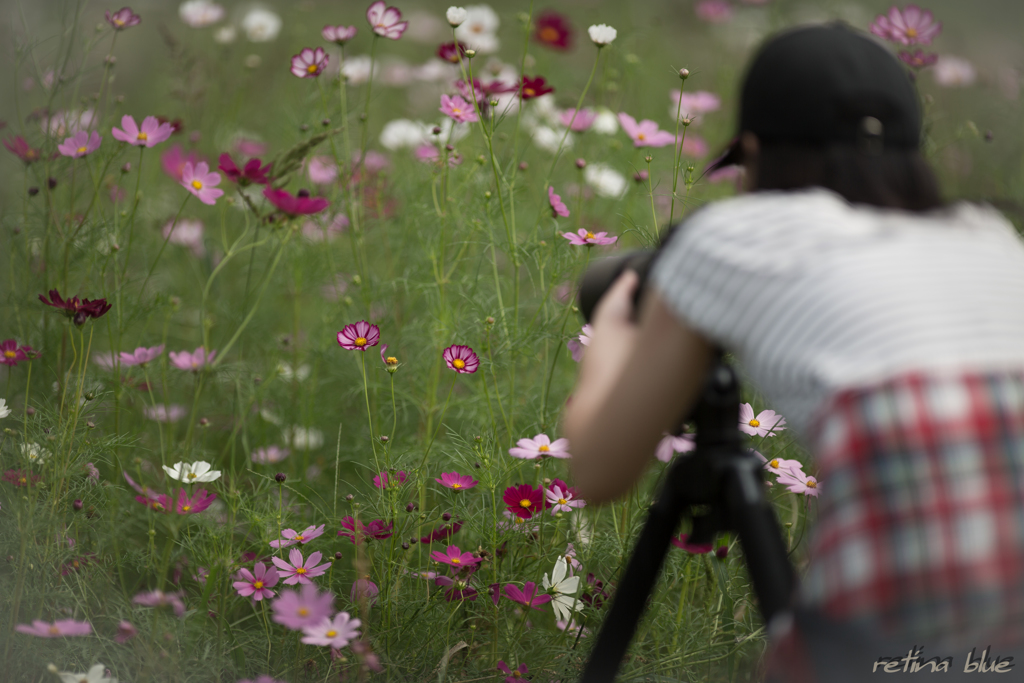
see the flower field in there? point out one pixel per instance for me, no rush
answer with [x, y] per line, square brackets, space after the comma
[287, 324]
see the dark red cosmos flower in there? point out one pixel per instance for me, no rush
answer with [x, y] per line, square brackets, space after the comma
[300, 205]
[177, 125]
[79, 311]
[483, 91]
[523, 500]
[451, 52]
[251, 173]
[553, 30]
[10, 353]
[534, 87]
[357, 531]
[20, 478]
[443, 532]
[918, 58]
[593, 592]
[19, 147]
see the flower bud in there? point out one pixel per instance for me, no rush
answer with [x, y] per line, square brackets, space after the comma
[648, 158]
[303, 128]
[722, 551]
[456, 16]
[686, 121]
[337, 555]
[33, 191]
[405, 546]
[523, 166]
[383, 438]
[581, 164]
[410, 507]
[447, 517]
[476, 465]
[471, 53]
[684, 74]
[110, 60]
[349, 497]
[436, 130]
[325, 122]
[641, 176]
[77, 505]
[203, 422]
[280, 477]
[489, 320]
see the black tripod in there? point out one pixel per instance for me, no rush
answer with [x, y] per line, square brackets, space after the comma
[725, 478]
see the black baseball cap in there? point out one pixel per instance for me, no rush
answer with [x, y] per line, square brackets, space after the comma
[818, 85]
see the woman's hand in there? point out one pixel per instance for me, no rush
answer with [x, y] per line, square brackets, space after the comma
[614, 329]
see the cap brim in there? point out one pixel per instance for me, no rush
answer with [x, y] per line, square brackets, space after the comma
[731, 156]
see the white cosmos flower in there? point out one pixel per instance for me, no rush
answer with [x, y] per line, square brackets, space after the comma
[548, 139]
[456, 16]
[605, 180]
[401, 133]
[954, 72]
[302, 439]
[261, 25]
[4, 410]
[198, 472]
[35, 453]
[287, 373]
[225, 34]
[561, 589]
[356, 69]
[477, 32]
[200, 13]
[606, 122]
[94, 675]
[602, 34]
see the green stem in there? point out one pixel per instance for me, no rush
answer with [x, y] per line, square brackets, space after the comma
[162, 247]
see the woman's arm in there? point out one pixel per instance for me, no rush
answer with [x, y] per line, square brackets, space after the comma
[637, 380]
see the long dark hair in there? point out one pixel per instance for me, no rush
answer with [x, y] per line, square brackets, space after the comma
[895, 179]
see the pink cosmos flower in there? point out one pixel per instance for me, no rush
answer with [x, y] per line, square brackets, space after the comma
[338, 34]
[798, 482]
[158, 598]
[918, 59]
[645, 133]
[682, 541]
[174, 159]
[199, 501]
[357, 532]
[20, 148]
[780, 466]
[765, 423]
[58, 629]
[458, 588]
[523, 500]
[183, 360]
[576, 346]
[321, 170]
[517, 675]
[442, 533]
[458, 109]
[570, 557]
[297, 205]
[296, 571]
[558, 207]
[201, 182]
[514, 522]
[584, 237]
[292, 537]
[310, 63]
[269, 455]
[151, 133]
[540, 445]
[562, 500]
[911, 26]
[455, 557]
[256, 583]
[364, 589]
[584, 119]
[714, 11]
[694, 146]
[125, 632]
[456, 481]
[461, 359]
[80, 144]
[386, 21]
[306, 607]
[252, 173]
[336, 632]
[672, 444]
[141, 355]
[359, 336]
[186, 233]
[527, 596]
[164, 413]
[314, 230]
[381, 481]
[123, 18]
[696, 102]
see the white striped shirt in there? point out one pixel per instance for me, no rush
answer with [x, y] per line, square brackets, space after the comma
[814, 295]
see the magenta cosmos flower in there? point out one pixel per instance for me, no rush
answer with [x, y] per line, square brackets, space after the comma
[381, 481]
[201, 182]
[20, 148]
[310, 63]
[456, 481]
[765, 423]
[78, 311]
[584, 237]
[256, 583]
[195, 361]
[58, 629]
[458, 109]
[158, 598]
[141, 355]
[523, 500]
[714, 11]
[562, 499]
[359, 336]
[12, 354]
[683, 541]
[336, 632]
[338, 34]
[197, 502]
[269, 455]
[645, 133]
[150, 134]
[540, 445]
[173, 160]
[291, 537]
[527, 596]
[918, 59]
[455, 557]
[80, 144]
[295, 570]
[386, 21]
[123, 18]
[364, 589]
[252, 173]
[910, 26]
[461, 359]
[458, 588]
[513, 676]
[295, 205]
[558, 207]
[306, 607]
[356, 532]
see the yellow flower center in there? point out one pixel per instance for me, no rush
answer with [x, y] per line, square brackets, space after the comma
[299, 538]
[360, 341]
[303, 612]
[459, 363]
[755, 423]
[10, 354]
[518, 520]
[544, 448]
[312, 68]
[456, 111]
[192, 475]
[516, 674]
[142, 136]
[529, 92]
[562, 501]
[331, 633]
[456, 486]
[590, 235]
[549, 34]
[391, 360]
[186, 508]
[23, 480]
[525, 503]
[641, 136]
[54, 631]
[196, 184]
[811, 484]
[911, 33]
[83, 150]
[775, 463]
[258, 585]
[456, 560]
[300, 570]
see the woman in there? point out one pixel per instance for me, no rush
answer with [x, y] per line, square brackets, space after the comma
[887, 328]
